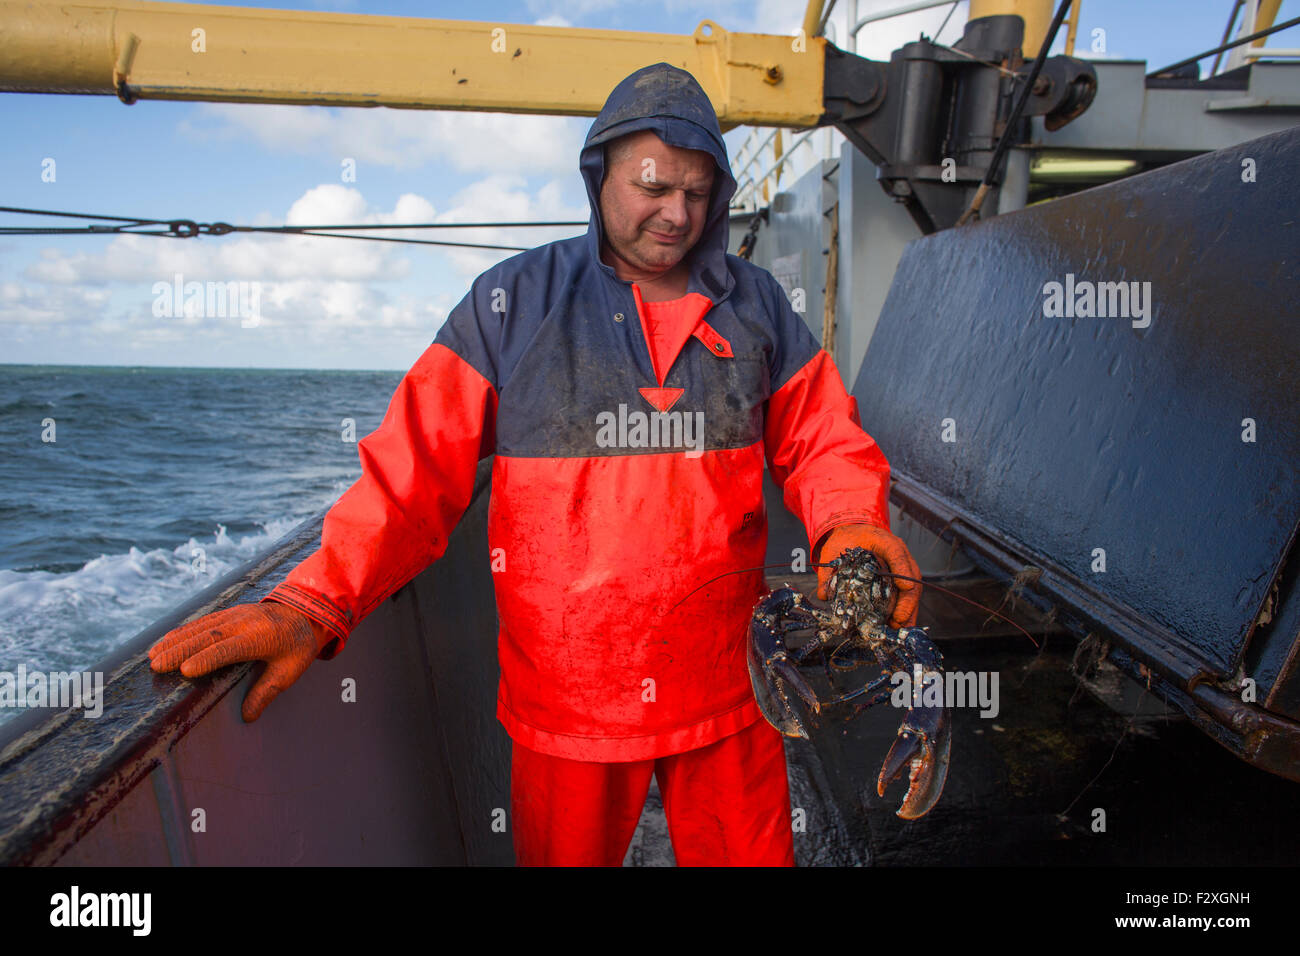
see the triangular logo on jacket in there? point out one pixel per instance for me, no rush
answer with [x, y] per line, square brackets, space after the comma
[662, 398]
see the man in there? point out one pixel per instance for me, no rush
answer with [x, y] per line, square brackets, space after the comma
[630, 383]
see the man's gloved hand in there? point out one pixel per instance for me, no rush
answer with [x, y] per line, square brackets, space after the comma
[284, 637]
[892, 553]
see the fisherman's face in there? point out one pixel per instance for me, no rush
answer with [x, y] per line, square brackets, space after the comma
[653, 203]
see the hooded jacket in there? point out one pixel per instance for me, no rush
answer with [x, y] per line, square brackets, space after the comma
[615, 493]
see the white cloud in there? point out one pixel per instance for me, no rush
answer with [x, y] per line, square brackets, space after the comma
[773, 16]
[317, 295]
[24, 304]
[504, 199]
[576, 8]
[879, 39]
[402, 139]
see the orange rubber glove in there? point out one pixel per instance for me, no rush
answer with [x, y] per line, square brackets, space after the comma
[284, 637]
[892, 553]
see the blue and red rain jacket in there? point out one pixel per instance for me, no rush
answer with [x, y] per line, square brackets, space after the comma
[602, 528]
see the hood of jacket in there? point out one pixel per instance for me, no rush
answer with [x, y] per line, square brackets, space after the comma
[670, 102]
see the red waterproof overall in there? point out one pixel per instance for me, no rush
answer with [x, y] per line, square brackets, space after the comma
[727, 804]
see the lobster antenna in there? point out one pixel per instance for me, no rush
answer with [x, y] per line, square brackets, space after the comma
[726, 574]
[951, 593]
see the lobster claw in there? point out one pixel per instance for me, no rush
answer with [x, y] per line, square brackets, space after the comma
[851, 634]
[924, 742]
[789, 713]
[787, 701]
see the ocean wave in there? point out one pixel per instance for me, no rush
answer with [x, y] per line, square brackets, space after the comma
[20, 406]
[65, 621]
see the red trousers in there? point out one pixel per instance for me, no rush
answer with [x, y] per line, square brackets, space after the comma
[727, 804]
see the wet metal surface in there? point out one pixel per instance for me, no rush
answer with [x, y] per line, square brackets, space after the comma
[1121, 432]
[1025, 787]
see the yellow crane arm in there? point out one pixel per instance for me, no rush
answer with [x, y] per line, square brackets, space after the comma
[183, 51]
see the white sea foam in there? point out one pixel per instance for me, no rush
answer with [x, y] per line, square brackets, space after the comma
[67, 621]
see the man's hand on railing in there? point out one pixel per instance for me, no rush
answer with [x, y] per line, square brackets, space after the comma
[282, 636]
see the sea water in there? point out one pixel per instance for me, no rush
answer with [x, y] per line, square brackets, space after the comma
[123, 491]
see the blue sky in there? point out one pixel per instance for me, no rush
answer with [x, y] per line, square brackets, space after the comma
[331, 303]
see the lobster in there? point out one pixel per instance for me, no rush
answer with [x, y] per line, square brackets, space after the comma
[848, 634]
